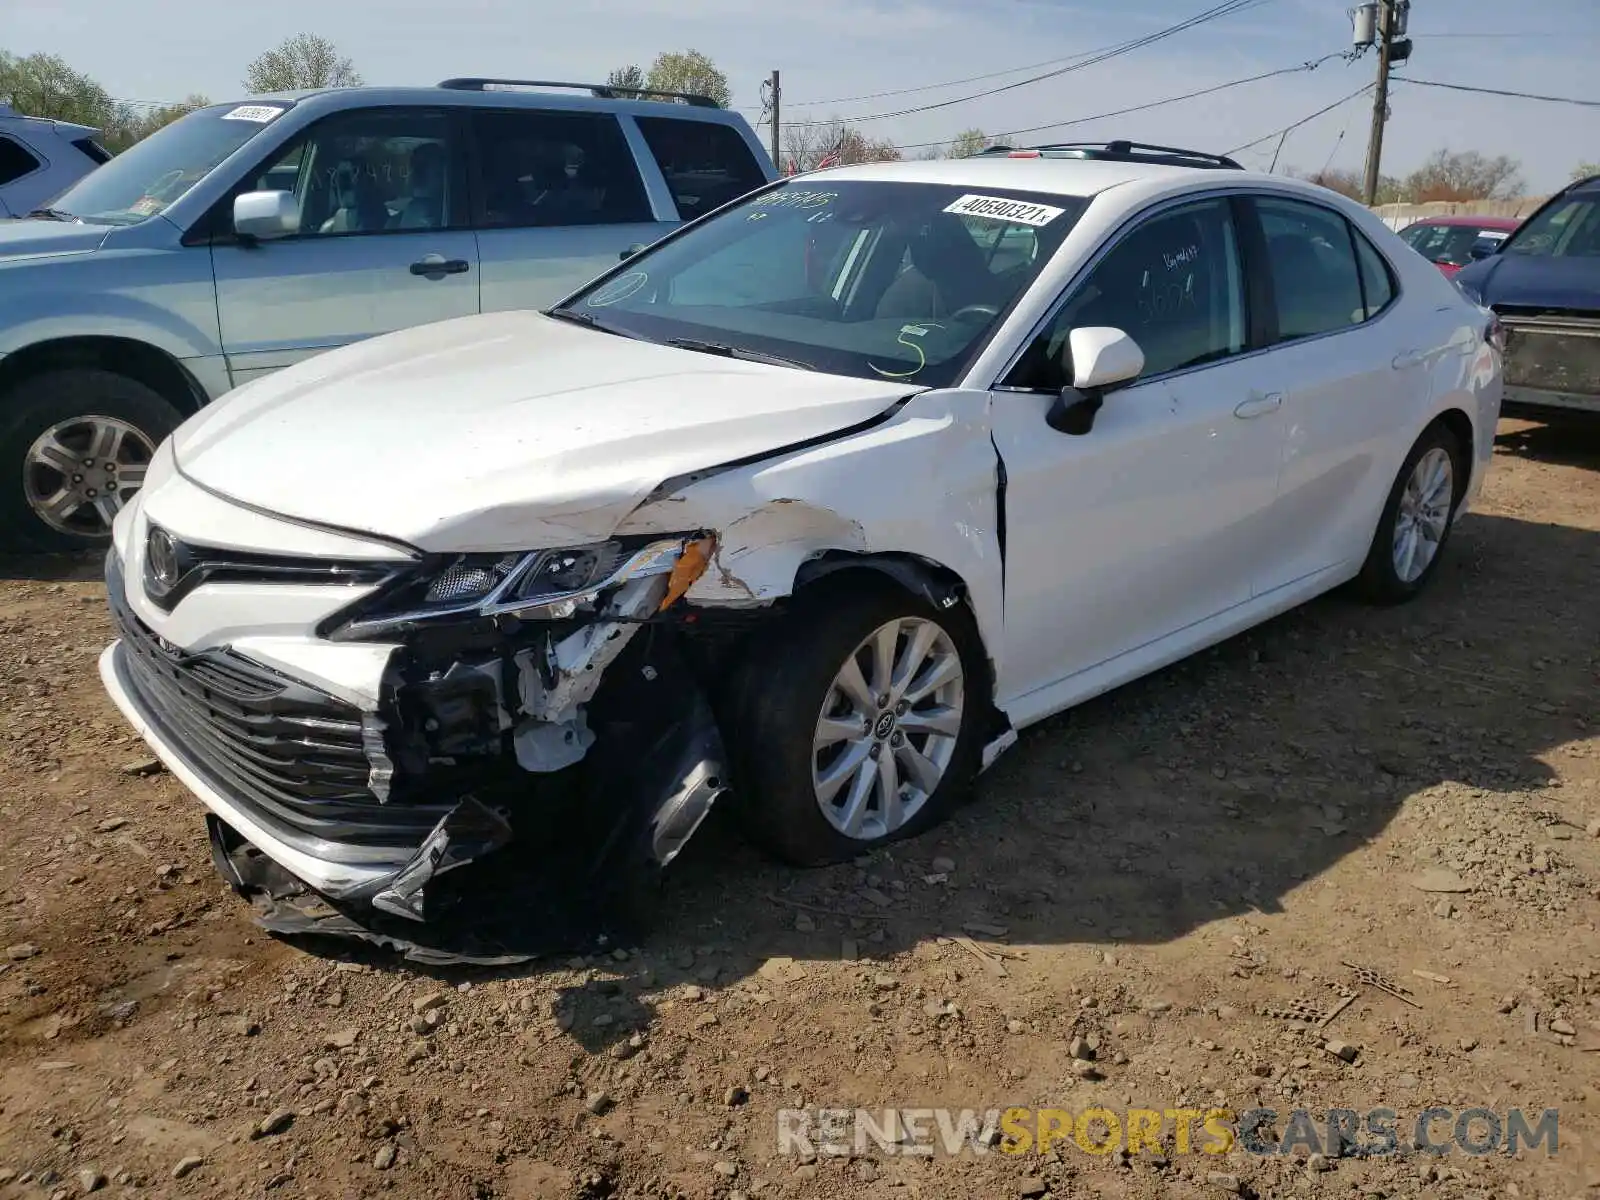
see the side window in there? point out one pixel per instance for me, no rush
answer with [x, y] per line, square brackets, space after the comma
[1377, 279]
[545, 169]
[1314, 274]
[378, 171]
[1173, 284]
[706, 163]
[15, 161]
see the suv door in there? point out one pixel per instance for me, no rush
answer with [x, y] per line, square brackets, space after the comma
[558, 197]
[384, 240]
[1354, 382]
[1150, 523]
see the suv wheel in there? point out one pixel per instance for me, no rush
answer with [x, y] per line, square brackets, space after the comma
[857, 724]
[74, 446]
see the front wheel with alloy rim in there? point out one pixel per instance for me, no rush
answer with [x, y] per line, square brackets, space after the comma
[74, 447]
[1416, 520]
[857, 724]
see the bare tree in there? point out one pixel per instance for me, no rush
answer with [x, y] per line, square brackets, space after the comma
[1464, 175]
[969, 142]
[1350, 183]
[303, 61]
[692, 72]
[806, 146]
[1585, 170]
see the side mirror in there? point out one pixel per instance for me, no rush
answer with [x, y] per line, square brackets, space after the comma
[1102, 358]
[262, 216]
[630, 252]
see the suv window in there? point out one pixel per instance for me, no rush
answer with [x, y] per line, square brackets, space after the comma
[15, 162]
[706, 164]
[1314, 273]
[542, 169]
[1173, 284]
[378, 171]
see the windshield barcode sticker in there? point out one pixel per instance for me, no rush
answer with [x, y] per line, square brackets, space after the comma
[998, 208]
[259, 113]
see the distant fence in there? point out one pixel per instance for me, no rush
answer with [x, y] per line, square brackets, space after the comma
[1398, 216]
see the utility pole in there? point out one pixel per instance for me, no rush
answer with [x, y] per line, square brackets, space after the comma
[777, 140]
[1383, 22]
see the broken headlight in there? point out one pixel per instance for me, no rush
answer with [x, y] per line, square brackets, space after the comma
[488, 585]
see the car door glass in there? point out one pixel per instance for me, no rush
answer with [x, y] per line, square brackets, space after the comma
[1173, 284]
[1377, 278]
[377, 171]
[15, 162]
[548, 169]
[1314, 273]
[706, 163]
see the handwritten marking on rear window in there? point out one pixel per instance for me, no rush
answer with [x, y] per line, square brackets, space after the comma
[792, 198]
[259, 113]
[998, 208]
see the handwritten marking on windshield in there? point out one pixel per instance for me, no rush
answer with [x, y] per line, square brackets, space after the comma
[618, 290]
[915, 331]
[790, 198]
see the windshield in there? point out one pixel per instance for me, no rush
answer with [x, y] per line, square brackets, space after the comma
[879, 280]
[1567, 229]
[1450, 244]
[144, 179]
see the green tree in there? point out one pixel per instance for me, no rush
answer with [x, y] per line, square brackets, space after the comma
[1585, 170]
[692, 72]
[303, 61]
[969, 142]
[43, 85]
[133, 125]
[628, 78]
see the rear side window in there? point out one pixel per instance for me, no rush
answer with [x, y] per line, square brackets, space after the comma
[706, 164]
[1314, 272]
[1377, 279]
[15, 161]
[549, 169]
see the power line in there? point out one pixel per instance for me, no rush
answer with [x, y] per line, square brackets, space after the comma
[1302, 121]
[1227, 8]
[1566, 37]
[1461, 87]
[1122, 112]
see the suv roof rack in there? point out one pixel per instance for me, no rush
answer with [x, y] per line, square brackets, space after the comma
[1121, 151]
[603, 91]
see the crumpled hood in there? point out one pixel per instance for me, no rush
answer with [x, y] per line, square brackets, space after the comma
[1525, 280]
[503, 431]
[26, 238]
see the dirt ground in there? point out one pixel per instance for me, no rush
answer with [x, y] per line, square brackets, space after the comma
[1138, 881]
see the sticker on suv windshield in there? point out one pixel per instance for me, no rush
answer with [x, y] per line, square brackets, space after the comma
[998, 208]
[259, 113]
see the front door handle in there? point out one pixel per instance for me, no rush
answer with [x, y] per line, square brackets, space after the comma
[1409, 358]
[1259, 406]
[437, 266]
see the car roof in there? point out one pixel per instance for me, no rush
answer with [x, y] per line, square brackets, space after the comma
[1075, 177]
[574, 99]
[1476, 222]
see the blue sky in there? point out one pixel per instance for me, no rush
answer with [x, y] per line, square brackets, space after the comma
[835, 49]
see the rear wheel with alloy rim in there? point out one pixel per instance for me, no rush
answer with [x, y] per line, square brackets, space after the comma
[855, 725]
[1416, 520]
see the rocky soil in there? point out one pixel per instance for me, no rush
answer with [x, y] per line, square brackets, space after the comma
[1152, 902]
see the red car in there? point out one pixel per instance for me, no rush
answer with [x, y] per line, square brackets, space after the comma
[1448, 241]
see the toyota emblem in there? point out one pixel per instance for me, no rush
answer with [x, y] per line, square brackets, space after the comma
[161, 556]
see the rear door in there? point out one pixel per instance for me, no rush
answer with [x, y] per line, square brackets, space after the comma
[384, 241]
[559, 197]
[1353, 368]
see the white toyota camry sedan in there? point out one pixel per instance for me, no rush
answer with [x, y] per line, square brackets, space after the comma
[811, 505]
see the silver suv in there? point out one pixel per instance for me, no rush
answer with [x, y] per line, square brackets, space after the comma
[40, 159]
[245, 237]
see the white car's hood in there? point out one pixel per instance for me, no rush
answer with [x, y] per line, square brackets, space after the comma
[503, 431]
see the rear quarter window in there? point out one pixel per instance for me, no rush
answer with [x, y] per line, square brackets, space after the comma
[706, 164]
[15, 161]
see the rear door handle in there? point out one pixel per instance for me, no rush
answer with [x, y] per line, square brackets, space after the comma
[1409, 358]
[437, 265]
[1259, 406]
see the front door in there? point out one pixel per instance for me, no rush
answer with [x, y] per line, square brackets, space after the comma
[1149, 522]
[384, 242]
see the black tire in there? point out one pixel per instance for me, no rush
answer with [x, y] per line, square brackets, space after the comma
[770, 711]
[1379, 582]
[42, 401]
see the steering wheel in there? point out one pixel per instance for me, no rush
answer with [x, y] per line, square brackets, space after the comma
[984, 310]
